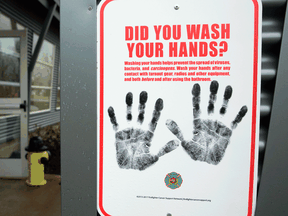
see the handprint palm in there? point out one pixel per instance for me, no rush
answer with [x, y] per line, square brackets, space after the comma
[132, 144]
[210, 138]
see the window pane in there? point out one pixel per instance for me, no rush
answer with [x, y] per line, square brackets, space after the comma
[40, 99]
[9, 91]
[42, 75]
[47, 51]
[9, 67]
[7, 23]
[10, 59]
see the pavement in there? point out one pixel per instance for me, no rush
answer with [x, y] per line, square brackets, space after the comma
[17, 198]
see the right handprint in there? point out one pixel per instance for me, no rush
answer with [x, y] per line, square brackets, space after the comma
[210, 137]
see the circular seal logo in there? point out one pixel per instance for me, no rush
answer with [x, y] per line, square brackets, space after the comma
[173, 180]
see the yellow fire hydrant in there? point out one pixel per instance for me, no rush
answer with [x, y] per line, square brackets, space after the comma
[37, 157]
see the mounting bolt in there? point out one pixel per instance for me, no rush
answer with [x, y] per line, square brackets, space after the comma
[176, 7]
[90, 8]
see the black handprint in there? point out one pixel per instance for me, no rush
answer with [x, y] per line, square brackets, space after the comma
[132, 144]
[210, 138]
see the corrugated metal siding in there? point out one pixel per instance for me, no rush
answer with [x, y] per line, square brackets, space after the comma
[44, 120]
[11, 9]
[55, 78]
[29, 45]
[272, 27]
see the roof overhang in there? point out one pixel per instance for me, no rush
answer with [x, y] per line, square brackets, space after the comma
[47, 4]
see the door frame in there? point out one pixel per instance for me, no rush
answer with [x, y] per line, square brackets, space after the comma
[12, 167]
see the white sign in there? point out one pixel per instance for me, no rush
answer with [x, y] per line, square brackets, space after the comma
[178, 107]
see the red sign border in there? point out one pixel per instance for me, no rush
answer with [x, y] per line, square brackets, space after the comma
[254, 103]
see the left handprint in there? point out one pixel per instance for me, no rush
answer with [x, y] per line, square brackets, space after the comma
[132, 144]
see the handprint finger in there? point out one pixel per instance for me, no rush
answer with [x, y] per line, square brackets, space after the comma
[170, 146]
[196, 100]
[141, 108]
[239, 117]
[213, 96]
[173, 127]
[129, 101]
[156, 114]
[112, 116]
[196, 107]
[227, 96]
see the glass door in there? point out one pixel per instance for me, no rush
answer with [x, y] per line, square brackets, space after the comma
[13, 103]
